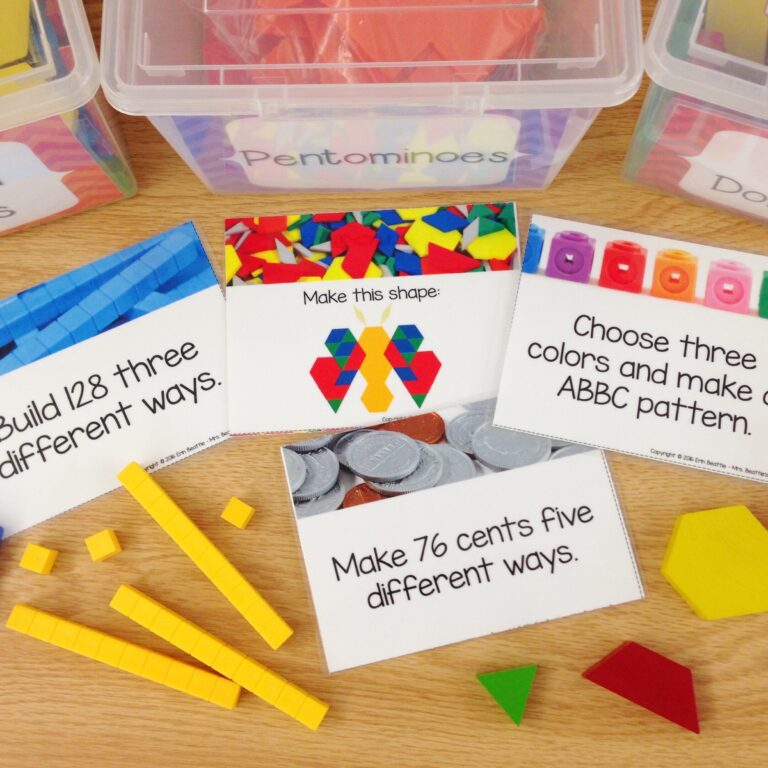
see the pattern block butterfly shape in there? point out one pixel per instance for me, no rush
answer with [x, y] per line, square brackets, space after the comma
[375, 355]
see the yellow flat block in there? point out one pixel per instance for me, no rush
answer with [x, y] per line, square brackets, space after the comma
[124, 655]
[38, 559]
[135, 479]
[14, 30]
[215, 653]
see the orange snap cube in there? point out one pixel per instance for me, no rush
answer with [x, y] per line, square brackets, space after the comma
[674, 275]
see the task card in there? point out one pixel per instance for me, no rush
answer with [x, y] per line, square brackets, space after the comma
[641, 344]
[122, 359]
[441, 527]
[345, 319]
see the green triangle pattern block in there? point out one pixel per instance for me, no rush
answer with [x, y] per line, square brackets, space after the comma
[510, 688]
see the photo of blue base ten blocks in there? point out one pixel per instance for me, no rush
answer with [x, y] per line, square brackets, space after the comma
[102, 295]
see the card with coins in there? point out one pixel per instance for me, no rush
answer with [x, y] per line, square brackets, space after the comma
[340, 320]
[440, 527]
[642, 344]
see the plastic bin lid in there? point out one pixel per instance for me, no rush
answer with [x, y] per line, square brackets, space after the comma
[685, 53]
[57, 70]
[241, 57]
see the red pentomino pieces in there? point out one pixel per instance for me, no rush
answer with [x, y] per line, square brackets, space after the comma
[651, 680]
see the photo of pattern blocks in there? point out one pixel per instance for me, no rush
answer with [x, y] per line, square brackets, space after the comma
[103, 295]
[672, 273]
[371, 244]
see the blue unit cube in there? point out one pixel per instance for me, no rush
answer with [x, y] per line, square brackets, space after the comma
[16, 317]
[141, 277]
[161, 262]
[10, 363]
[39, 304]
[79, 324]
[32, 349]
[55, 337]
[64, 291]
[122, 294]
[533, 249]
[101, 308]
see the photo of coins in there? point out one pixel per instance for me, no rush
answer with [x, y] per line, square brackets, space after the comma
[409, 455]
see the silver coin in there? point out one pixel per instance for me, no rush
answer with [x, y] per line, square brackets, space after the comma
[384, 456]
[312, 445]
[456, 464]
[322, 474]
[459, 431]
[296, 469]
[501, 449]
[344, 443]
[328, 502]
[482, 405]
[426, 475]
[570, 450]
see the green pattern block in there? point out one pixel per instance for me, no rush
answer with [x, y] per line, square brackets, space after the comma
[510, 688]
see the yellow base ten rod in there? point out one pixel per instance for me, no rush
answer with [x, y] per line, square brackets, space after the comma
[215, 653]
[205, 555]
[123, 655]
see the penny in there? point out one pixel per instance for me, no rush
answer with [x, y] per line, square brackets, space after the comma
[459, 431]
[312, 445]
[328, 502]
[456, 465]
[322, 473]
[295, 468]
[426, 475]
[384, 456]
[502, 449]
[427, 427]
[361, 494]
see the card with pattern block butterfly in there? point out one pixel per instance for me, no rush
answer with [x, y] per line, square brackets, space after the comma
[121, 357]
[345, 319]
[641, 344]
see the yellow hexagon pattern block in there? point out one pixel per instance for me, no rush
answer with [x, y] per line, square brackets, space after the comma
[718, 561]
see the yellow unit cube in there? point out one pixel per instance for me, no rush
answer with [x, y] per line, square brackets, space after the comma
[103, 545]
[38, 559]
[238, 513]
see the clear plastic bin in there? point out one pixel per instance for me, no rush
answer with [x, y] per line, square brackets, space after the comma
[260, 95]
[60, 149]
[703, 132]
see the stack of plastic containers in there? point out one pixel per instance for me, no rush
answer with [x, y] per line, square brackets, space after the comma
[260, 95]
[60, 152]
[703, 132]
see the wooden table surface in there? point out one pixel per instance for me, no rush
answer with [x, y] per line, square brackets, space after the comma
[424, 710]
